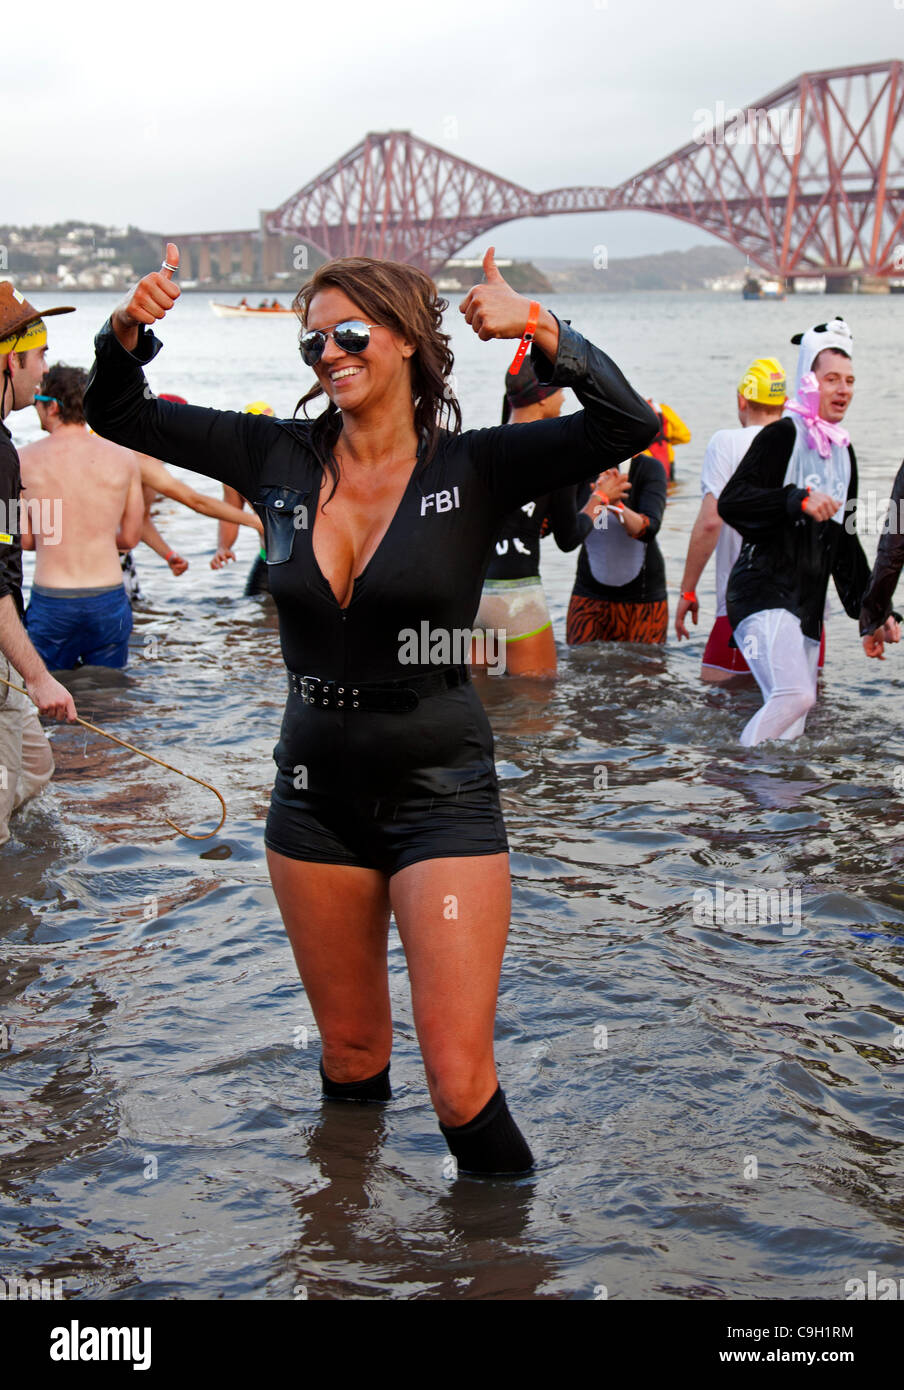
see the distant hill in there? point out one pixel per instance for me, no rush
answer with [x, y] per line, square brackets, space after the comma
[87, 255]
[670, 270]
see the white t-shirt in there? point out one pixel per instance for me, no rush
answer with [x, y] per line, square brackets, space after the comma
[723, 454]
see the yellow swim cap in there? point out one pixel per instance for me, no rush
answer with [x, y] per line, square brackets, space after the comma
[764, 382]
[258, 408]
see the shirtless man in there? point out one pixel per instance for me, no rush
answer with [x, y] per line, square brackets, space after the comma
[84, 505]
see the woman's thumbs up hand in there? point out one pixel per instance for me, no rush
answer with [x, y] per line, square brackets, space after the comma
[152, 297]
[495, 310]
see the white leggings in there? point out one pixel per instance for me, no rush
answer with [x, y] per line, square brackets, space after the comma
[785, 665]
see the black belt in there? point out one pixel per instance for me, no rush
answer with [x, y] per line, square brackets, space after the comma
[387, 697]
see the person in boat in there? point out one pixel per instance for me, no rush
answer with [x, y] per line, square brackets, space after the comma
[760, 401]
[227, 532]
[672, 431]
[25, 752]
[379, 516]
[793, 498]
[243, 303]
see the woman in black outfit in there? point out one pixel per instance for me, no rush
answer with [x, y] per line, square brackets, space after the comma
[379, 524]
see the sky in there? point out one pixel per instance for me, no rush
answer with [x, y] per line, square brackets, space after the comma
[116, 115]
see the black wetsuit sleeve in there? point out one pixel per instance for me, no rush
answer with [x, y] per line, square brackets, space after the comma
[850, 567]
[887, 569]
[11, 548]
[520, 462]
[648, 495]
[755, 500]
[223, 444]
[569, 526]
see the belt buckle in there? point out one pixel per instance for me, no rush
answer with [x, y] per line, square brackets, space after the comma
[306, 687]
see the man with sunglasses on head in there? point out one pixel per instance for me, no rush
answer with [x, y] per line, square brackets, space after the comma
[26, 762]
[79, 613]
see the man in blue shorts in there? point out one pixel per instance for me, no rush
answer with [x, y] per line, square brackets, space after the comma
[84, 505]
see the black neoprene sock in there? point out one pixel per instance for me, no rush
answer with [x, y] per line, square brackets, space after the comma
[491, 1142]
[371, 1088]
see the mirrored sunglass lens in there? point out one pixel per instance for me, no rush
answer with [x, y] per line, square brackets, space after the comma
[312, 345]
[352, 336]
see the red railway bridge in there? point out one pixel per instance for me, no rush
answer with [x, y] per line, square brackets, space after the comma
[807, 181]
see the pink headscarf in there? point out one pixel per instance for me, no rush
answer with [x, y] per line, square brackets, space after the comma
[821, 434]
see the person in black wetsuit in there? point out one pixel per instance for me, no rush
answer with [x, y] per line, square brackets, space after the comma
[513, 614]
[379, 524]
[878, 622]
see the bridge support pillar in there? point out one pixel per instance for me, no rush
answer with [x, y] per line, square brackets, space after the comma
[846, 283]
[204, 261]
[271, 251]
[874, 284]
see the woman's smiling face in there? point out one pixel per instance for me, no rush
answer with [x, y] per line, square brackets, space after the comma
[353, 380]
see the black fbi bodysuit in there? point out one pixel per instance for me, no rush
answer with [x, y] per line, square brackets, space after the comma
[357, 787]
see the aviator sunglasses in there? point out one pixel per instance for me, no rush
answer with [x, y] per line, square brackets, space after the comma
[351, 336]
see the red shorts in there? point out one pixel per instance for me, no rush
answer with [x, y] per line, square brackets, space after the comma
[718, 653]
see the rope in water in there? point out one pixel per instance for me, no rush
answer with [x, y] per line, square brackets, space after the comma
[121, 741]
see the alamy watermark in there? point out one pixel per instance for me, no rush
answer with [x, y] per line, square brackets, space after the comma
[43, 516]
[874, 1287]
[18, 1286]
[748, 126]
[721, 906]
[457, 646]
[875, 515]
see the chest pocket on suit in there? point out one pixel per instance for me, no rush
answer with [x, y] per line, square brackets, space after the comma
[284, 512]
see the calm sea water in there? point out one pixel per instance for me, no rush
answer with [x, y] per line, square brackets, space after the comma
[715, 1107]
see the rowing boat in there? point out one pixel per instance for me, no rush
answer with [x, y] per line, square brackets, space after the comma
[245, 311]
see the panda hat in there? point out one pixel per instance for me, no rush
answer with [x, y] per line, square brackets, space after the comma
[834, 334]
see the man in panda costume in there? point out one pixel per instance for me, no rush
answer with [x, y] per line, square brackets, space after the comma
[793, 499]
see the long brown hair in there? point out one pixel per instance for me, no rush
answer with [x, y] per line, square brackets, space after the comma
[405, 300]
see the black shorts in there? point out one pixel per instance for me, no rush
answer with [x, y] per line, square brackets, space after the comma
[382, 791]
[385, 835]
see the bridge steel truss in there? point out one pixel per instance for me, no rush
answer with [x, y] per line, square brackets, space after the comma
[808, 180]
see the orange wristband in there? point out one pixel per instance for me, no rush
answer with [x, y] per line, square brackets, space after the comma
[690, 597]
[527, 337]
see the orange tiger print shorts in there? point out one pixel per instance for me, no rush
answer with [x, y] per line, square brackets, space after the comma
[600, 620]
